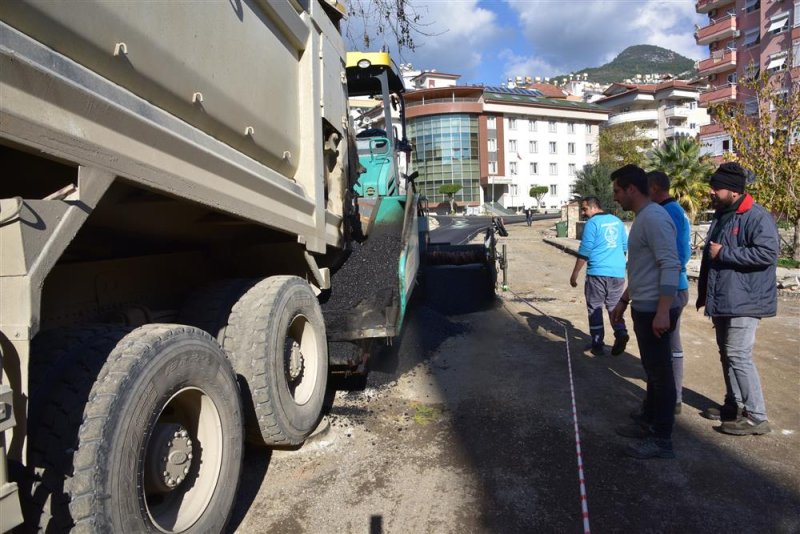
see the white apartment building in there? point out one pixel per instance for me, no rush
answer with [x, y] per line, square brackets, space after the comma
[660, 111]
[538, 141]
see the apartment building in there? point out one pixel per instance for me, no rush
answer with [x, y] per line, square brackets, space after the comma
[744, 38]
[497, 142]
[660, 111]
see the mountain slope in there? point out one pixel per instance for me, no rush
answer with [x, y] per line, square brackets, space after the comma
[640, 59]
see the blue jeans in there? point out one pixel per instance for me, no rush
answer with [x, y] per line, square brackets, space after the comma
[656, 354]
[735, 339]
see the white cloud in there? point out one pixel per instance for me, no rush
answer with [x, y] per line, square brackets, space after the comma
[577, 34]
[515, 65]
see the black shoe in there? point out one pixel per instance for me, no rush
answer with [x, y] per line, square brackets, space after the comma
[744, 426]
[620, 342]
[726, 412]
[651, 448]
[634, 430]
[597, 350]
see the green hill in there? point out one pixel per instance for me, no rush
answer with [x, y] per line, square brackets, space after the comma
[639, 59]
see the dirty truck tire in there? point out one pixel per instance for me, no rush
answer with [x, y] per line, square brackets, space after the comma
[209, 307]
[160, 445]
[276, 341]
[64, 365]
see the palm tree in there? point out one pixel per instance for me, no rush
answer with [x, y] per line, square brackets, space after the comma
[688, 171]
[595, 180]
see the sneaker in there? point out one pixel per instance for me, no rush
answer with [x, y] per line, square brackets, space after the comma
[620, 342]
[651, 448]
[726, 412]
[597, 350]
[744, 426]
[634, 430]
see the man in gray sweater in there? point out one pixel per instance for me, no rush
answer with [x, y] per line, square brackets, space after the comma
[653, 269]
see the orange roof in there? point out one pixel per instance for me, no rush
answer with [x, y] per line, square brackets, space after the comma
[547, 90]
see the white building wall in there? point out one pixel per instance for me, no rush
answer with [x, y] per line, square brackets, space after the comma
[534, 163]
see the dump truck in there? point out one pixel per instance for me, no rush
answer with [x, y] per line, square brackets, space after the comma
[180, 219]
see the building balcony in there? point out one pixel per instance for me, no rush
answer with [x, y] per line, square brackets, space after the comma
[717, 95]
[704, 6]
[679, 131]
[711, 129]
[720, 61]
[719, 29]
[677, 112]
[647, 115]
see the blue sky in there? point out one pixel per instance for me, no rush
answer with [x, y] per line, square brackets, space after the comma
[487, 41]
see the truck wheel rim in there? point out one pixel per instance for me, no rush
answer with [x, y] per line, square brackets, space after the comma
[301, 359]
[186, 439]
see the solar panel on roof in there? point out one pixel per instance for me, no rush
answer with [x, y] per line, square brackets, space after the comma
[513, 91]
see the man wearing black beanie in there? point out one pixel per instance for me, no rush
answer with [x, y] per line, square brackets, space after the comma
[737, 288]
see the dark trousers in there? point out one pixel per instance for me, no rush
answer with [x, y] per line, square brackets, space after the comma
[659, 404]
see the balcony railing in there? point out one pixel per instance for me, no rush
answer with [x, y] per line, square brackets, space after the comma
[448, 100]
[704, 6]
[647, 115]
[679, 131]
[719, 29]
[718, 94]
[677, 112]
[720, 61]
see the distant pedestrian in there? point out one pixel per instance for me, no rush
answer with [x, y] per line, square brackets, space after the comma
[603, 246]
[653, 269]
[658, 184]
[737, 288]
[529, 215]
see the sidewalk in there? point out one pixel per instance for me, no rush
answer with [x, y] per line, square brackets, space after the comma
[787, 280]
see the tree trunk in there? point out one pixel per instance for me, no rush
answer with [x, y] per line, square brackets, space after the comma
[796, 240]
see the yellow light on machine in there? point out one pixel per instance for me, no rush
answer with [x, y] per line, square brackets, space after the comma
[365, 60]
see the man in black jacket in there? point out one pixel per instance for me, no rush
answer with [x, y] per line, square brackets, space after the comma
[737, 288]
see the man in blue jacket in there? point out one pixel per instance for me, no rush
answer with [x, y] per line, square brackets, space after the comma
[658, 184]
[737, 287]
[603, 246]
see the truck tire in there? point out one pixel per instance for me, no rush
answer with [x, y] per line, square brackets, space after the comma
[160, 443]
[276, 341]
[64, 363]
[209, 307]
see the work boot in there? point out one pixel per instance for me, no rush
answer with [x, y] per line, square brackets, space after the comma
[651, 448]
[726, 412]
[745, 426]
[620, 342]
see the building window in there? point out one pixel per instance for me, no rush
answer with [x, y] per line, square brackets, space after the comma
[552, 147]
[532, 125]
[779, 23]
[777, 62]
[570, 148]
[752, 37]
[553, 189]
[588, 148]
[512, 167]
[796, 15]
[726, 145]
[533, 147]
[752, 71]
[570, 127]
[553, 169]
[492, 167]
[572, 169]
[491, 123]
[533, 168]
[512, 188]
[732, 78]
[588, 128]
[551, 126]
[491, 144]
[751, 5]
[796, 52]
[512, 145]
[512, 124]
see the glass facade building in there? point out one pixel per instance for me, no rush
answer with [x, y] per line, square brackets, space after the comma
[446, 152]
